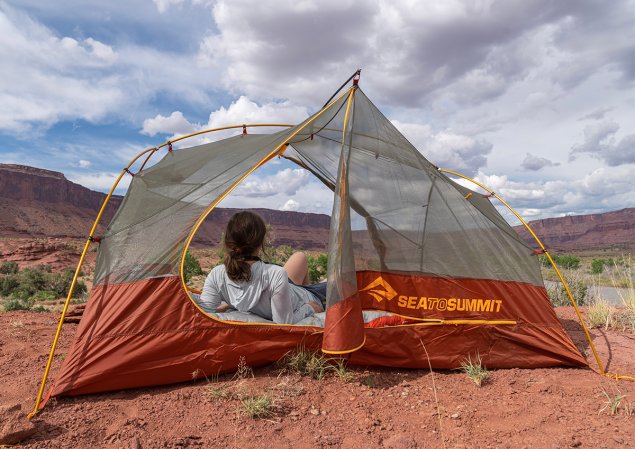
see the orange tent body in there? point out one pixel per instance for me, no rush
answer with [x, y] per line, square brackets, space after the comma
[422, 271]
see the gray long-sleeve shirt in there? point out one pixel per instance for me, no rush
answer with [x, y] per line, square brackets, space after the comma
[268, 294]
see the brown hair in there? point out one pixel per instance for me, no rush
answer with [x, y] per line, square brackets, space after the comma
[244, 235]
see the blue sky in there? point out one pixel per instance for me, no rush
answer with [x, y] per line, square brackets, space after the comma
[534, 98]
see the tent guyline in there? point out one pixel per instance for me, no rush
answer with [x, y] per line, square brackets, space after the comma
[397, 269]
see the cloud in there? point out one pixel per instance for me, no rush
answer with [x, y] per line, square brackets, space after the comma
[447, 149]
[600, 190]
[84, 163]
[241, 111]
[535, 163]
[287, 181]
[48, 77]
[174, 124]
[290, 205]
[465, 50]
[101, 181]
[601, 143]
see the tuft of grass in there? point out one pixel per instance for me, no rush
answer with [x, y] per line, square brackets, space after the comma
[475, 370]
[257, 407]
[342, 372]
[243, 371]
[600, 314]
[306, 363]
[370, 381]
[612, 403]
[218, 393]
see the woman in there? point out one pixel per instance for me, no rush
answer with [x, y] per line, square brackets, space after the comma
[279, 294]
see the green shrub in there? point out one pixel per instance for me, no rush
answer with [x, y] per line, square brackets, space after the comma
[597, 266]
[191, 267]
[317, 268]
[14, 303]
[45, 295]
[566, 261]
[8, 284]
[578, 288]
[9, 268]
[32, 281]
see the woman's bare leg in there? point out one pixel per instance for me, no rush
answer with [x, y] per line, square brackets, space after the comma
[297, 268]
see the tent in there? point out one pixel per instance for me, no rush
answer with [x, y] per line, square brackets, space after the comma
[446, 275]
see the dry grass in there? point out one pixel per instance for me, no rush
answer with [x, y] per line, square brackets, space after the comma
[475, 370]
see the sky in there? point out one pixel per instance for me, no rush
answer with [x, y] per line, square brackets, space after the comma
[533, 98]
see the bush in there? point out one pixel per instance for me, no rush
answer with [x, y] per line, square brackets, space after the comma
[15, 303]
[191, 267]
[317, 268]
[559, 297]
[597, 266]
[8, 284]
[9, 268]
[566, 261]
[32, 281]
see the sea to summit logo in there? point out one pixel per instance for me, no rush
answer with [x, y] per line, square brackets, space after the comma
[380, 290]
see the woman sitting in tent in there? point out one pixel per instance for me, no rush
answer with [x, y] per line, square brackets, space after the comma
[279, 294]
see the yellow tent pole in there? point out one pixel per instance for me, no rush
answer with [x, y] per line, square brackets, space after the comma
[211, 130]
[544, 250]
[72, 286]
[277, 150]
[91, 235]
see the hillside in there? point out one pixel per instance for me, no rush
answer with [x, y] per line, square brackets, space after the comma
[614, 231]
[42, 203]
[39, 203]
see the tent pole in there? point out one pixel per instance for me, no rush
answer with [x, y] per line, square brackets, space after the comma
[277, 150]
[74, 282]
[91, 236]
[544, 250]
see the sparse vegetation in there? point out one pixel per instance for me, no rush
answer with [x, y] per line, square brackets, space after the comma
[612, 403]
[342, 372]
[191, 267]
[306, 363]
[600, 314]
[475, 370]
[22, 289]
[258, 407]
[243, 371]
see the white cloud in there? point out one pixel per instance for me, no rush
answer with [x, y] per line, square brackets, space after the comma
[290, 205]
[241, 111]
[286, 181]
[447, 149]
[47, 78]
[84, 163]
[174, 124]
[102, 181]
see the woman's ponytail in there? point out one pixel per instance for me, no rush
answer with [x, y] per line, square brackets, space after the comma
[244, 236]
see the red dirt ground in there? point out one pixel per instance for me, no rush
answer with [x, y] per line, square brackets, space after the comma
[517, 408]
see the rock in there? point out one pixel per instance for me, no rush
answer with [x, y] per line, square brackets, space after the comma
[454, 416]
[315, 411]
[400, 441]
[15, 425]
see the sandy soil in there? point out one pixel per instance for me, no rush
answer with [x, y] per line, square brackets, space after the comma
[541, 408]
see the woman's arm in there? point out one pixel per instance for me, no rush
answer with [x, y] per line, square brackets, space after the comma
[281, 308]
[210, 298]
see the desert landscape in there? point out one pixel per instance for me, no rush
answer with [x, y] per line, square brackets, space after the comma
[329, 403]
